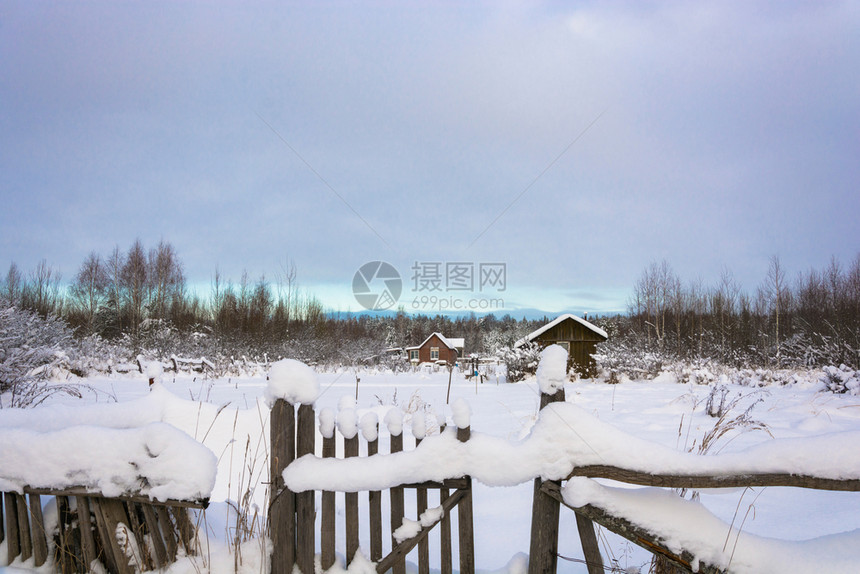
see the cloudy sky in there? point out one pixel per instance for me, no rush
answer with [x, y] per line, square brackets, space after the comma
[575, 142]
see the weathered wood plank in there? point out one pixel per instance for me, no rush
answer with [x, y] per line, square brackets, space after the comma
[350, 450]
[305, 539]
[465, 521]
[13, 544]
[327, 519]
[282, 508]
[399, 552]
[701, 481]
[398, 511]
[424, 543]
[37, 528]
[160, 550]
[106, 534]
[374, 502]
[88, 543]
[24, 527]
[115, 514]
[445, 550]
[185, 528]
[588, 540]
[168, 531]
[543, 547]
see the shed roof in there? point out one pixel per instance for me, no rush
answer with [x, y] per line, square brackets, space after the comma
[452, 343]
[561, 318]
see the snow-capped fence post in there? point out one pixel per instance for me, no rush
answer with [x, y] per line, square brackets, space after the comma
[305, 511]
[370, 432]
[291, 515]
[464, 508]
[282, 508]
[394, 420]
[349, 431]
[543, 548]
[328, 509]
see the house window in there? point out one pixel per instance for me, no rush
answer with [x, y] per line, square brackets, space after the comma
[434, 353]
[413, 355]
[565, 345]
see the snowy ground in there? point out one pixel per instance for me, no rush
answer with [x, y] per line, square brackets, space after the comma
[663, 411]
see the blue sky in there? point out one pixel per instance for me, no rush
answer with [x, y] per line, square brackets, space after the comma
[575, 142]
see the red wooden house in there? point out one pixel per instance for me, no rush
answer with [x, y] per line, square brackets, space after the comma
[436, 349]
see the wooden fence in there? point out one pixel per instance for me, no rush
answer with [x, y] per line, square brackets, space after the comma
[543, 552]
[292, 515]
[113, 531]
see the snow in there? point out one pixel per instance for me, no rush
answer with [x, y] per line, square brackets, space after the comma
[370, 426]
[462, 413]
[327, 421]
[644, 425]
[394, 421]
[688, 525]
[154, 459]
[346, 423]
[419, 425]
[293, 381]
[566, 436]
[552, 369]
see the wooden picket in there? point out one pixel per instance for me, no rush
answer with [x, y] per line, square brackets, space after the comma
[90, 532]
[295, 529]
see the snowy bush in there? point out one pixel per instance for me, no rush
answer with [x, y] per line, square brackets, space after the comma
[841, 380]
[521, 361]
[31, 348]
[628, 357]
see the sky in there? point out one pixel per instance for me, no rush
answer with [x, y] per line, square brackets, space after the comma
[574, 143]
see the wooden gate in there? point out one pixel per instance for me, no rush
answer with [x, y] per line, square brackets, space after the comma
[292, 515]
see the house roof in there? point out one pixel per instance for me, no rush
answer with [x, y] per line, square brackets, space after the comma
[561, 318]
[451, 343]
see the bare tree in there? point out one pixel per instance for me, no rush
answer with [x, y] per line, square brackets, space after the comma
[12, 285]
[165, 279]
[134, 281]
[89, 290]
[42, 291]
[775, 291]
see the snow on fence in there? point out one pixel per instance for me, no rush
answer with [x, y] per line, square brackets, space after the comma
[124, 533]
[292, 513]
[565, 450]
[122, 494]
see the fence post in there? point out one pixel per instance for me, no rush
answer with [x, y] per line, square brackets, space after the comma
[543, 548]
[464, 517]
[396, 494]
[305, 539]
[282, 508]
[370, 432]
[327, 517]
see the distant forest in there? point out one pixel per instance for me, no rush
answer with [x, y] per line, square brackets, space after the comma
[138, 300]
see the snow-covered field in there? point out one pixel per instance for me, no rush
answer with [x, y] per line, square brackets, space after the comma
[230, 417]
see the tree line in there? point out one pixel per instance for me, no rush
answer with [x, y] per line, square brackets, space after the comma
[812, 319]
[139, 299]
